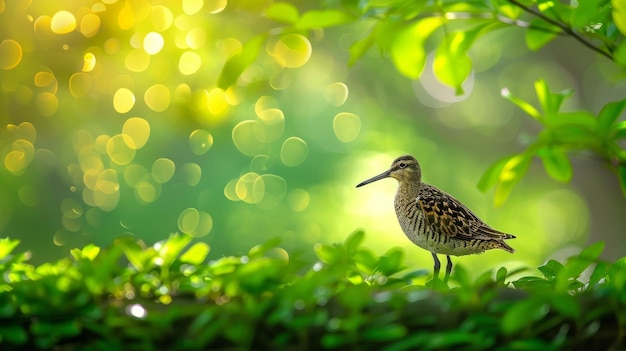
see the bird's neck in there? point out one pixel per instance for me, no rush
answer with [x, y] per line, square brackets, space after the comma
[410, 190]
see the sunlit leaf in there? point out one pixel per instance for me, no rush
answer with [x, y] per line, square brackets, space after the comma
[391, 262]
[599, 273]
[608, 115]
[361, 46]
[540, 34]
[385, 332]
[586, 10]
[550, 102]
[196, 254]
[512, 172]
[491, 176]
[6, 246]
[451, 69]
[323, 19]
[282, 12]
[580, 118]
[556, 163]
[619, 15]
[407, 46]
[353, 241]
[239, 61]
[551, 269]
[619, 131]
[523, 105]
[172, 247]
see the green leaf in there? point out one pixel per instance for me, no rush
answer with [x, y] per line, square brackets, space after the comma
[556, 163]
[170, 249]
[584, 13]
[539, 34]
[522, 314]
[407, 46]
[353, 241]
[196, 254]
[550, 102]
[608, 115]
[523, 105]
[599, 273]
[239, 61]
[551, 269]
[492, 174]
[327, 253]
[282, 12]
[619, 15]
[581, 118]
[512, 172]
[360, 47]
[450, 68]
[323, 19]
[6, 246]
[392, 262]
[619, 131]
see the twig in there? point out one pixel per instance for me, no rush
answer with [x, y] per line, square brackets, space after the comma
[563, 27]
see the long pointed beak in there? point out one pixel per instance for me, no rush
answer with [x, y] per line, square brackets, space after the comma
[383, 175]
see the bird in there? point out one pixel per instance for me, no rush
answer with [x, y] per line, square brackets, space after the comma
[436, 221]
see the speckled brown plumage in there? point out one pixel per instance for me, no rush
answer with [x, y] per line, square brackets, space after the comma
[436, 221]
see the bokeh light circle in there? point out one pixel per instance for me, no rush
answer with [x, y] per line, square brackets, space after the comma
[346, 126]
[294, 151]
[200, 141]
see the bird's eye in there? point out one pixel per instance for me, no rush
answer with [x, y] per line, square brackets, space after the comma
[402, 165]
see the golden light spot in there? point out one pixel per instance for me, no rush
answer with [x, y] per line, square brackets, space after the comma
[153, 43]
[147, 192]
[163, 170]
[157, 97]
[134, 173]
[42, 25]
[91, 161]
[294, 151]
[71, 208]
[244, 138]
[346, 126]
[263, 103]
[229, 46]
[43, 79]
[123, 100]
[247, 188]
[100, 144]
[72, 225]
[138, 129]
[126, 18]
[298, 200]
[79, 84]
[216, 101]
[26, 131]
[19, 157]
[162, 18]
[47, 104]
[189, 63]
[230, 190]
[216, 6]
[121, 149]
[63, 22]
[108, 182]
[93, 217]
[272, 125]
[90, 25]
[10, 54]
[336, 94]
[90, 178]
[270, 190]
[28, 195]
[89, 62]
[233, 95]
[191, 173]
[58, 238]
[200, 141]
[292, 50]
[196, 38]
[182, 93]
[195, 223]
[260, 163]
[112, 46]
[137, 60]
[191, 7]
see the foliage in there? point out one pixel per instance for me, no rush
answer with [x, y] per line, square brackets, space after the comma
[165, 297]
[407, 31]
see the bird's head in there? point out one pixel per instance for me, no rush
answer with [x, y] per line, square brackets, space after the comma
[405, 169]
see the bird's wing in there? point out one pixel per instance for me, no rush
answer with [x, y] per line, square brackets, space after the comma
[450, 217]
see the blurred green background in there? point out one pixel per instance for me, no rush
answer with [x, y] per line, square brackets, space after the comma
[112, 122]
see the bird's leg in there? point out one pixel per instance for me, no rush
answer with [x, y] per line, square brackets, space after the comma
[448, 269]
[437, 267]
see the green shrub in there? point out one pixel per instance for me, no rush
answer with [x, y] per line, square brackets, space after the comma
[130, 296]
